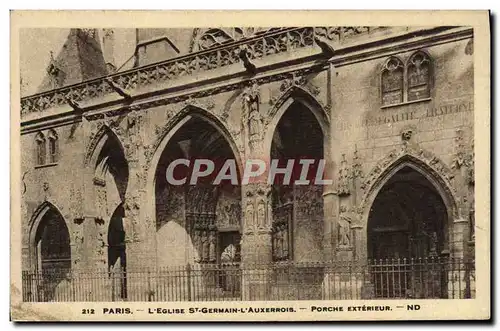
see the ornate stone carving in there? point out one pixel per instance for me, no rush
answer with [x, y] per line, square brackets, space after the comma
[406, 134]
[343, 187]
[46, 191]
[205, 246]
[357, 167]
[460, 157]
[249, 224]
[416, 155]
[207, 104]
[292, 81]
[252, 122]
[132, 219]
[282, 222]
[261, 215]
[197, 245]
[228, 212]
[339, 34]
[213, 243]
[173, 117]
[266, 44]
[344, 228]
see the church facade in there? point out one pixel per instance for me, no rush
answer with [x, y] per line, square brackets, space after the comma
[390, 110]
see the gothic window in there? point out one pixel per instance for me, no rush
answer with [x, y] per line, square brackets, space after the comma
[53, 147]
[400, 83]
[392, 82]
[418, 76]
[40, 149]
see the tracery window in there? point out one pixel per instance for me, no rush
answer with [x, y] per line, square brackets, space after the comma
[392, 82]
[40, 149]
[419, 75]
[400, 83]
[53, 147]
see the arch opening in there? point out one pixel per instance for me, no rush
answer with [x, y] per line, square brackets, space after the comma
[297, 210]
[111, 175]
[203, 217]
[52, 253]
[408, 232]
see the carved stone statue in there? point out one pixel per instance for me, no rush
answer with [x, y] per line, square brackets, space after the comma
[252, 119]
[212, 256]
[249, 216]
[197, 245]
[205, 242]
[261, 215]
[433, 244]
[344, 229]
[343, 182]
[131, 219]
[284, 234]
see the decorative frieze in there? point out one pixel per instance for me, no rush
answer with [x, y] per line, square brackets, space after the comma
[266, 44]
[341, 33]
[270, 43]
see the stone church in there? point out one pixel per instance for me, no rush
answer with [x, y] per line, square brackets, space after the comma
[389, 109]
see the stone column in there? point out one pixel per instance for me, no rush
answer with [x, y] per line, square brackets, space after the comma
[92, 223]
[139, 228]
[330, 220]
[256, 246]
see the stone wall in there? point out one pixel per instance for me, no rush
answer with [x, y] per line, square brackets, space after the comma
[346, 99]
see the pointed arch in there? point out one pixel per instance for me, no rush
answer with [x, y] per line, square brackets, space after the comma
[40, 151]
[38, 214]
[53, 140]
[34, 225]
[176, 123]
[302, 96]
[425, 163]
[97, 141]
[420, 75]
[392, 81]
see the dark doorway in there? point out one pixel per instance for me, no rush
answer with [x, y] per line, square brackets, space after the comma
[297, 209]
[407, 237]
[53, 253]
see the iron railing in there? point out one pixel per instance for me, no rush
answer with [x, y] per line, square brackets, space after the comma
[422, 278]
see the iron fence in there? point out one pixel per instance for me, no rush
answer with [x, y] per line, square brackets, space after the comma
[423, 278]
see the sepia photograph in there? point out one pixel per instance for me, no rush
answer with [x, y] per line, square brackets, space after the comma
[308, 168]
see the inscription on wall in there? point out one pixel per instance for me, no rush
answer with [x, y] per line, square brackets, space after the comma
[407, 115]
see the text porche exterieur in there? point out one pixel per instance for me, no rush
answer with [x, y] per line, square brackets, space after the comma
[327, 309]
